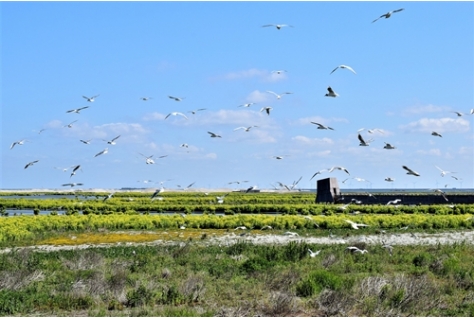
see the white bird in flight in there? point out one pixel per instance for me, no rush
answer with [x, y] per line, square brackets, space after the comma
[278, 26]
[458, 113]
[339, 168]
[90, 99]
[86, 141]
[313, 254]
[356, 225]
[214, 134]
[73, 184]
[176, 113]
[105, 151]
[31, 163]
[279, 71]
[342, 66]
[247, 104]
[177, 99]
[436, 134]
[409, 171]
[389, 146]
[362, 141]
[388, 14]
[331, 93]
[389, 179]
[278, 96]
[77, 110]
[318, 172]
[70, 124]
[443, 172]
[266, 109]
[247, 129]
[195, 111]
[75, 168]
[112, 141]
[322, 127]
[21, 142]
[279, 157]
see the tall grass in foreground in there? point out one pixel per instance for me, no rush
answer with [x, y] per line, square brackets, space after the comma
[241, 279]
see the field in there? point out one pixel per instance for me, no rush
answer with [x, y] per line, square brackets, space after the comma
[185, 255]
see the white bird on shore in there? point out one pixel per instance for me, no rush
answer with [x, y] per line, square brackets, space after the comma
[331, 93]
[112, 141]
[278, 96]
[409, 171]
[443, 172]
[70, 124]
[21, 142]
[394, 202]
[240, 228]
[90, 99]
[77, 110]
[388, 14]
[278, 26]
[176, 113]
[177, 99]
[313, 254]
[31, 163]
[322, 127]
[266, 109]
[356, 250]
[389, 146]
[247, 129]
[356, 225]
[436, 134]
[292, 234]
[214, 134]
[86, 142]
[105, 151]
[342, 66]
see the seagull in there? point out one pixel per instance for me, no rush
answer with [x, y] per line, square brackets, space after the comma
[331, 93]
[389, 146]
[247, 104]
[176, 113]
[86, 142]
[388, 14]
[184, 145]
[279, 71]
[251, 188]
[40, 131]
[339, 168]
[322, 127]
[313, 254]
[220, 199]
[149, 159]
[75, 168]
[105, 151]
[108, 196]
[278, 26]
[278, 96]
[195, 111]
[31, 163]
[240, 228]
[90, 99]
[354, 250]
[189, 186]
[456, 178]
[214, 134]
[458, 113]
[266, 109]
[362, 141]
[394, 202]
[279, 157]
[436, 134]
[177, 99]
[289, 233]
[318, 172]
[237, 182]
[441, 193]
[145, 98]
[410, 172]
[21, 142]
[70, 124]
[356, 225]
[247, 129]
[112, 141]
[77, 110]
[389, 179]
[266, 227]
[158, 191]
[342, 66]
[444, 172]
[73, 184]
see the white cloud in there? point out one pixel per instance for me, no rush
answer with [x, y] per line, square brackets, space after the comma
[211, 155]
[431, 152]
[318, 119]
[423, 109]
[263, 75]
[154, 116]
[258, 97]
[240, 117]
[313, 141]
[441, 125]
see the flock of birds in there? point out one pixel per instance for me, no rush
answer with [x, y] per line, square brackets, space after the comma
[150, 159]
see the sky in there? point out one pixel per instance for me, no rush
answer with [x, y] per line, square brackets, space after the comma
[412, 72]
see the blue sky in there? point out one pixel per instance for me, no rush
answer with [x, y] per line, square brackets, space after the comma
[413, 71]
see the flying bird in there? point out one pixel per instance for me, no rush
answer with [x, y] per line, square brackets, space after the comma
[443, 172]
[86, 142]
[75, 168]
[279, 71]
[389, 146]
[389, 179]
[388, 14]
[278, 96]
[342, 66]
[177, 99]
[108, 196]
[247, 129]
[158, 191]
[279, 157]
[176, 113]
[331, 93]
[313, 254]
[112, 141]
[436, 134]
[247, 104]
[278, 26]
[195, 111]
[21, 142]
[73, 184]
[394, 202]
[266, 109]
[251, 188]
[70, 124]
[458, 113]
[362, 141]
[322, 127]
[410, 172]
[90, 99]
[31, 163]
[145, 98]
[318, 172]
[214, 134]
[77, 110]
[148, 159]
[105, 151]
[339, 168]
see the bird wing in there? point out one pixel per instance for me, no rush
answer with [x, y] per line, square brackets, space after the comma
[330, 90]
[350, 69]
[320, 125]
[409, 170]
[268, 25]
[398, 10]
[271, 92]
[361, 139]
[337, 67]
[115, 138]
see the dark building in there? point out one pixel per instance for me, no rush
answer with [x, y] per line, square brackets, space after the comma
[328, 191]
